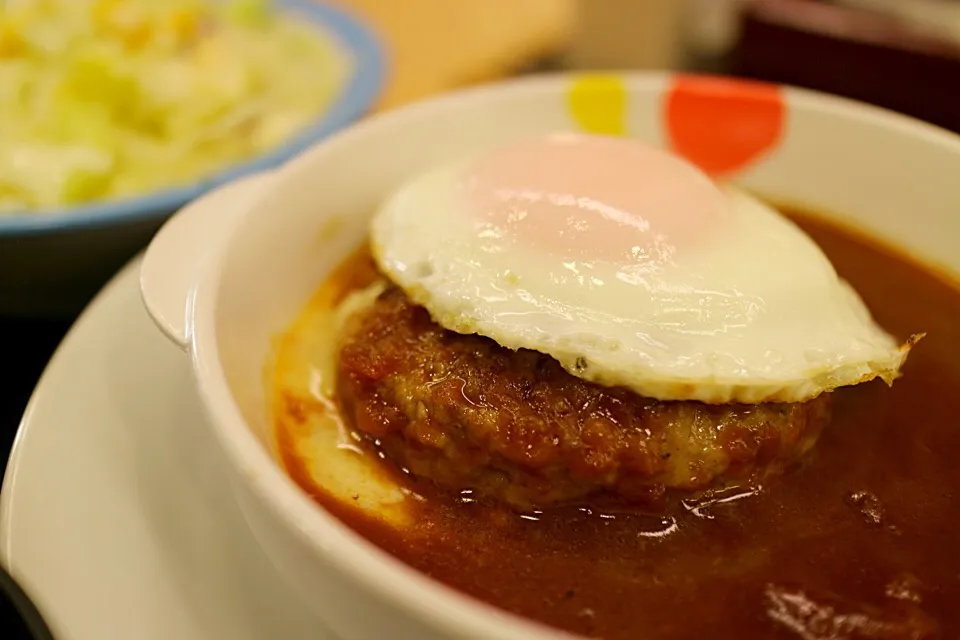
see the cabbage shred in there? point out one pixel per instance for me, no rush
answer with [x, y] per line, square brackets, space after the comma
[114, 98]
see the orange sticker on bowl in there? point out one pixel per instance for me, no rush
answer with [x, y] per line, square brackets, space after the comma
[723, 124]
[598, 103]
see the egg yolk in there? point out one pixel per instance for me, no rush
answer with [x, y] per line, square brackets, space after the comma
[590, 197]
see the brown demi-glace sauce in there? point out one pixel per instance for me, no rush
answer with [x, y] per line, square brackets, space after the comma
[859, 542]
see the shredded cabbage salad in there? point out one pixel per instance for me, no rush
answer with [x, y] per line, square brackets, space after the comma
[103, 99]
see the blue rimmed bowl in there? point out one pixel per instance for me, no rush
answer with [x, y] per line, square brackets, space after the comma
[52, 262]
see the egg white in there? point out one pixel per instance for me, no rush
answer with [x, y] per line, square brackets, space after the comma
[754, 313]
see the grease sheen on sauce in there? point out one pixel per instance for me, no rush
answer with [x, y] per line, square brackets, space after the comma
[859, 542]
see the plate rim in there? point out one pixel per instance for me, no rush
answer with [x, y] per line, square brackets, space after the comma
[15, 458]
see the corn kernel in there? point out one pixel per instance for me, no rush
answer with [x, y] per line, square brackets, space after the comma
[185, 24]
[12, 43]
[101, 13]
[126, 23]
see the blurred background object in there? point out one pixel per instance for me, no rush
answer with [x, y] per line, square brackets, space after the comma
[898, 54]
[438, 45]
[709, 32]
[902, 56]
[939, 16]
[627, 34]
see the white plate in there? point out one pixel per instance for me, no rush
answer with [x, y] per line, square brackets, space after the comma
[109, 516]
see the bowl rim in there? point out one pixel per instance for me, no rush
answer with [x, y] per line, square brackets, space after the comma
[358, 42]
[346, 552]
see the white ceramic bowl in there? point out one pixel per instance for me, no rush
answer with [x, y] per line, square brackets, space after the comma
[232, 270]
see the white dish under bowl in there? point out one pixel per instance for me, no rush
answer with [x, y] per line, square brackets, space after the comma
[233, 269]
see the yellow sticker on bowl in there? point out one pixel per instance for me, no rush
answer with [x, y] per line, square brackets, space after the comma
[598, 103]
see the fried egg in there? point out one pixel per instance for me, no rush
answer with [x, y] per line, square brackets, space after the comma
[632, 268]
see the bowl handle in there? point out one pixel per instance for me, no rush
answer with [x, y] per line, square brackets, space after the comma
[179, 252]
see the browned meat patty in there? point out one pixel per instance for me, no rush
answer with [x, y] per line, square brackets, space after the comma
[514, 426]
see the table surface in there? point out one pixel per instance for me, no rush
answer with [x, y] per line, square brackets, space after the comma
[434, 45]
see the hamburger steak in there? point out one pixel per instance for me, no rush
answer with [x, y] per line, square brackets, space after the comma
[514, 426]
